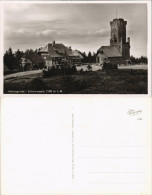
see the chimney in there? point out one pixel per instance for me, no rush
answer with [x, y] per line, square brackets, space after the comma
[129, 40]
[53, 43]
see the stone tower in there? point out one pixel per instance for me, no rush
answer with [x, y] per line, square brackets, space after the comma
[118, 37]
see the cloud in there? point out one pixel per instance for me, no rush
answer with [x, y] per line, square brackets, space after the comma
[21, 31]
[49, 32]
[102, 32]
[64, 32]
[83, 25]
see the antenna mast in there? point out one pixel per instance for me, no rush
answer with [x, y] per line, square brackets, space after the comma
[116, 13]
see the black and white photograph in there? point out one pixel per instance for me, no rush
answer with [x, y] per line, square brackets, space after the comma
[75, 97]
[75, 48]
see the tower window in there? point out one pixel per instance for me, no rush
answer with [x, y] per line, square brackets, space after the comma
[115, 39]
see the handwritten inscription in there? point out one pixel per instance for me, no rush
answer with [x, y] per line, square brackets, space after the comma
[132, 112]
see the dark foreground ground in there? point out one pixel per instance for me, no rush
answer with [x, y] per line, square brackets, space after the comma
[122, 81]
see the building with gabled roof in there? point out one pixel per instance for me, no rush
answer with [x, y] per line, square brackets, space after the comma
[77, 54]
[119, 50]
[56, 53]
[110, 51]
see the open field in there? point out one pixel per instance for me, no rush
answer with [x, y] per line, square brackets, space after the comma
[122, 81]
[95, 67]
[20, 74]
[144, 67]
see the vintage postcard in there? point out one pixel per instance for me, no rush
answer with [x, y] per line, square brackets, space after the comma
[94, 143]
[76, 47]
[76, 146]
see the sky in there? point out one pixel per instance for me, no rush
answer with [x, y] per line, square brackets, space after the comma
[83, 26]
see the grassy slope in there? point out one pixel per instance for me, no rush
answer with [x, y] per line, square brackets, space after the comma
[100, 82]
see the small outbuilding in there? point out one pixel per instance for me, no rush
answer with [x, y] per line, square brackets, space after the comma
[6, 70]
[26, 64]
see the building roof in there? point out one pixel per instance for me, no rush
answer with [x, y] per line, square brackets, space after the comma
[110, 51]
[44, 49]
[58, 50]
[77, 54]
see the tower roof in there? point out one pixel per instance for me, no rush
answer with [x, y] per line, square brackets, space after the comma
[118, 20]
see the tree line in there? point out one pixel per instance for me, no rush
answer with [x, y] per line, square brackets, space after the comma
[13, 60]
[89, 58]
[141, 60]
